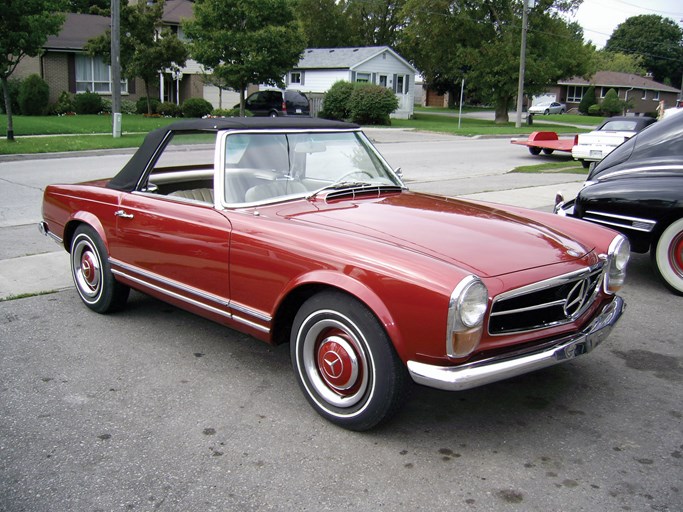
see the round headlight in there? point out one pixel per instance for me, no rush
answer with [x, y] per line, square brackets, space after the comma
[621, 255]
[472, 304]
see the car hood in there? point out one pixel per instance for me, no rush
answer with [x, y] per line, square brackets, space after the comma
[478, 237]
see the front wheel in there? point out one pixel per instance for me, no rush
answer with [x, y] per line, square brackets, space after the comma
[548, 151]
[667, 255]
[345, 363]
[534, 150]
[92, 274]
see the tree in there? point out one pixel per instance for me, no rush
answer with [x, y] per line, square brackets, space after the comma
[24, 28]
[89, 6]
[611, 104]
[375, 22]
[324, 23]
[480, 40]
[605, 60]
[148, 49]
[656, 39]
[245, 41]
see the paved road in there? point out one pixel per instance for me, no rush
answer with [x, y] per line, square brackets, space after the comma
[155, 409]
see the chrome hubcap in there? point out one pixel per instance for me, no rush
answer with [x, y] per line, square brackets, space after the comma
[334, 362]
[87, 269]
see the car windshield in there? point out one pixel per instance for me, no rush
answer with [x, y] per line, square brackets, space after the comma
[262, 167]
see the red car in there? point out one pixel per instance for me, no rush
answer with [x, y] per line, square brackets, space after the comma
[297, 230]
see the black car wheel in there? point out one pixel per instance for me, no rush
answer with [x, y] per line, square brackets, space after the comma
[92, 274]
[548, 151]
[667, 255]
[345, 363]
[534, 150]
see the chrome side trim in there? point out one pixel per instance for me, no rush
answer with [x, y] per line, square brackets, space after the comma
[222, 304]
[249, 311]
[479, 373]
[636, 223]
[45, 230]
[642, 168]
[173, 294]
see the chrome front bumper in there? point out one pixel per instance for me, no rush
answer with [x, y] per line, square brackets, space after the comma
[486, 371]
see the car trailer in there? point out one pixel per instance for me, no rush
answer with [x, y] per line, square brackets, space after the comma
[547, 142]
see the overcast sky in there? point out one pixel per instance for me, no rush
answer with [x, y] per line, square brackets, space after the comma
[599, 18]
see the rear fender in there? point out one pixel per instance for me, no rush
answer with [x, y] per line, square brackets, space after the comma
[76, 220]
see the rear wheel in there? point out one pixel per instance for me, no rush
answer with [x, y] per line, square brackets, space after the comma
[92, 274]
[273, 114]
[585, 164]
[345, 363]
[547, 112]
[667, 255]
[534, 150]
[548, 151]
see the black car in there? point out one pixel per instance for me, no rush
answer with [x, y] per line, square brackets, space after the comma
[638, 189]
[274, 103]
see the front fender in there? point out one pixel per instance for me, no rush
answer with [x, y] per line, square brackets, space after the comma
[355, 288]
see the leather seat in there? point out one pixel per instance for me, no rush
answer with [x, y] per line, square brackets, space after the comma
[274, 189]
[205, 195]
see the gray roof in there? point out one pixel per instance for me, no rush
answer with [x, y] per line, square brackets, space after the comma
[343, 58]
[177, 10]
[619, 80]
[77, 30]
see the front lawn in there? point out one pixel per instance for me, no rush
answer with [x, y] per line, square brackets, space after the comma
[86, 124]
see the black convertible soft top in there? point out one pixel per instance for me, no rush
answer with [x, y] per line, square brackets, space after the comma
[128, 178]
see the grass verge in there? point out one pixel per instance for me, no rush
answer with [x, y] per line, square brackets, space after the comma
[571, 167]
[471, 127]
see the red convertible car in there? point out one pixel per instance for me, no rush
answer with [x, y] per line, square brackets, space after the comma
[297, 230]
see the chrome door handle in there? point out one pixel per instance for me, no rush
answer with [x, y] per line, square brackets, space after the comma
[123, 214]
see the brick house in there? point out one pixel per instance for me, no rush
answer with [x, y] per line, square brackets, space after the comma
[66, 67]
[643, 92]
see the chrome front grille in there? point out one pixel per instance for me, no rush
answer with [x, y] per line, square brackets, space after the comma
[545, 304]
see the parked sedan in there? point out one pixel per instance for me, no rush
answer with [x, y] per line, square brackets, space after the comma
[597, 144]
[297, 230]
[548, 108]
[638, 190]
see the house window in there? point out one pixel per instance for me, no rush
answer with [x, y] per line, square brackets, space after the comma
[655, 96]
[363, 77]
[644, 96]
[399, 84]
[575, 93]
[93, 75]
[295, 77]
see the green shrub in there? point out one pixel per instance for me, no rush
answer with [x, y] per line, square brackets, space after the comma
[13, 85]
[196, 107]
[142, 108]
[594, 110]
[168, 109]
[231, 112]
[64, 105]
[34, 96]
[106, 106]
[336, 104]
[128, 107]
[587, 100]
[372, 104]
[87, 103]
[611, 104]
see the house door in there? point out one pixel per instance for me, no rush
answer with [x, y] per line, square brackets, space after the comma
[383, 80]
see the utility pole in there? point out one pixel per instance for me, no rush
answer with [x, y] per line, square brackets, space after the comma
[116, 67]
[522, 64]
